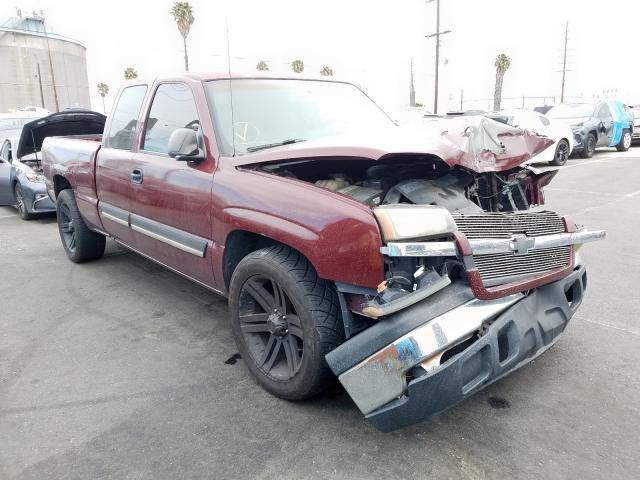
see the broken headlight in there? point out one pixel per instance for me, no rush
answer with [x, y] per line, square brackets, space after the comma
[409, 222]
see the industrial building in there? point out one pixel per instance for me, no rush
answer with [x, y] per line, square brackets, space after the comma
[40, 68]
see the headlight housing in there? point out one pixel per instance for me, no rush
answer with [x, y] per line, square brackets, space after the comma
[410, 222]
[33, 177]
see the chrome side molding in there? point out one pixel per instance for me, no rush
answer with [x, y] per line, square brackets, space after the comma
[185, 241]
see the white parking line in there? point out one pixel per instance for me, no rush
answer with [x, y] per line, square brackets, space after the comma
[632, 194]
[581, 164]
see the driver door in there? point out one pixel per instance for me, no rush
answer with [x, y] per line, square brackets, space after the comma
[171, 199]
[6, 194]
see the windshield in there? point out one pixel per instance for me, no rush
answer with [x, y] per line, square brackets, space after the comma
[572, 110]
[269, 112]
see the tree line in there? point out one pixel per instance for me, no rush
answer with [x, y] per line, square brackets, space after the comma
[182, 13]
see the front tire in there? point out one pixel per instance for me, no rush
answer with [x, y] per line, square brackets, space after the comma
[625, 141]
[20, 203]
[80, 243]
[285, 320]
[562, 153]
[589, 146]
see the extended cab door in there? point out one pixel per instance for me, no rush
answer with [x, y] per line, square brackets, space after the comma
[170, 199]
[114, 163]
[6, 194]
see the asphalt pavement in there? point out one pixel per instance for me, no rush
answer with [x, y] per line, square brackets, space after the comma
[120, 369]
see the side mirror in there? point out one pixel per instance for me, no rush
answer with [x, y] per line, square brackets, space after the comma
[184, 146]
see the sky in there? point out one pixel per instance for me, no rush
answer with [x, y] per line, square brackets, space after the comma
[370, 43]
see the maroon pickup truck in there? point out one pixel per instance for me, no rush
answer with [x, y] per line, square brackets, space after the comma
[417, 266]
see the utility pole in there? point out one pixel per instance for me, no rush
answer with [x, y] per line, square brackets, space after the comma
[412, 90]
[40, 82]
[437, 37]
[53, 77]
[564, 61]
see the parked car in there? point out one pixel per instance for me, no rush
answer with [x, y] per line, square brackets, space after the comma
[21, 180]
[409, 266]
[596, 125]
[558, 131]
[635, 111]
[11, 123]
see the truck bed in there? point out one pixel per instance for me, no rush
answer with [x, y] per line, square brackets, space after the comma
[73, 158]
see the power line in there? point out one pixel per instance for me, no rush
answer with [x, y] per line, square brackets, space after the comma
[564, 61]
[437, 37]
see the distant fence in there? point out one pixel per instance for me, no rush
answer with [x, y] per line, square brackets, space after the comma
[512, 102]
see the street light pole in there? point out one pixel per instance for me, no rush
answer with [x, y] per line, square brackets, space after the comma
[437, 36]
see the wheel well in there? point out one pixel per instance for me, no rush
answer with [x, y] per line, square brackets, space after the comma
[595, 134]
[60, 183]
[239, 244]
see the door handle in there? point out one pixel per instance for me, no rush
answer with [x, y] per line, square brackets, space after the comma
[136, 175]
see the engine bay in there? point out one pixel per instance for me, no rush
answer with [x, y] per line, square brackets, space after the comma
[420, 180]
[417, 180]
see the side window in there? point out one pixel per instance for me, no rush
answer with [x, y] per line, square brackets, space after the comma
[173, 107]
[604, 113]
[125, 118]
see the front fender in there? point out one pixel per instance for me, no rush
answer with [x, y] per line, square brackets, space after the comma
[339, 236]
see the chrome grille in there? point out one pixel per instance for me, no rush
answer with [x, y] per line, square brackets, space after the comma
[505, 267]
[503, 225]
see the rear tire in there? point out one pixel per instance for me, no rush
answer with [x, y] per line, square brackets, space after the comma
[20, 205]
[589, 146]
[563, 149]
[625, 141]
[285, 320]
[80, 243]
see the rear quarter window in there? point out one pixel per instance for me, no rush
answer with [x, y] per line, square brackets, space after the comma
[125, 118]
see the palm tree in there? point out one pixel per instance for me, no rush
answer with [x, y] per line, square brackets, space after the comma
[262, 66]
[183, 15]
[130, 73]
[103, 90]
[326, 72]
[502, 64]
[298, 66]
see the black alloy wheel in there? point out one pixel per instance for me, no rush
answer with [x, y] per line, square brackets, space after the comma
[67, 228]
[271, 327]
[79, 242]
[284, 320]
[562, 153]
[589, 146]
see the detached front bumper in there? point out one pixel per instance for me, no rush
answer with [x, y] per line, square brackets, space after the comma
[516, 330]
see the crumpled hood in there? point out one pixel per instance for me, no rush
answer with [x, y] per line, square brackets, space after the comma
[474, 142]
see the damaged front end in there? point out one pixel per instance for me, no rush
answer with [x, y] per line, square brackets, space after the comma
[479, 277]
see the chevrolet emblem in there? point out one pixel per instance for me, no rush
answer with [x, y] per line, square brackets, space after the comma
[521, 244]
